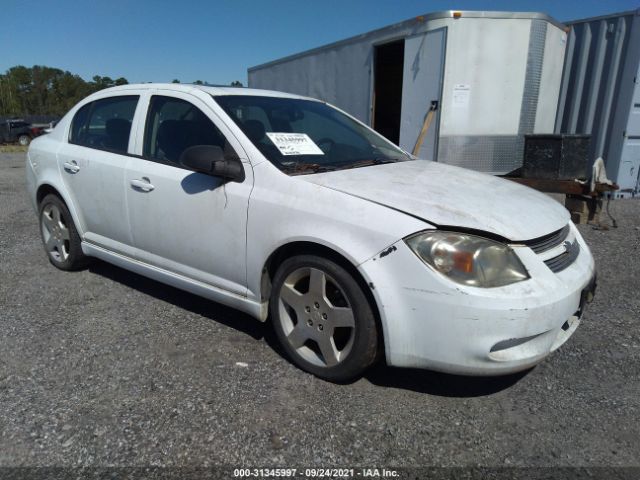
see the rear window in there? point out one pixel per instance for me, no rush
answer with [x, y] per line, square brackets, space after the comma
[105, 124]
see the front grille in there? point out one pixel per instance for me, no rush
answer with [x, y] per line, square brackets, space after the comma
[542, 244]
[562, 261]
[552, 240]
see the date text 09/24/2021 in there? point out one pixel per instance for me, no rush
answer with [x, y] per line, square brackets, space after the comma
[315, 472]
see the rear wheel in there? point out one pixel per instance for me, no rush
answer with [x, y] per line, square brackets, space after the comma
[322, 318]
[24, 140]
[59, 235]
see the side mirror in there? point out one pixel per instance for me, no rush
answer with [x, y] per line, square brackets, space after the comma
[210, 159]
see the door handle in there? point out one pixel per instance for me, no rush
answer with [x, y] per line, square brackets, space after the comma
[143, 184]
[71, 167]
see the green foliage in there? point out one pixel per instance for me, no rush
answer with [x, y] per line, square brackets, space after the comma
[236, 83]
[41, 90]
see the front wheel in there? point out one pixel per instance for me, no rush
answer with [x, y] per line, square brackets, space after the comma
[323, 319]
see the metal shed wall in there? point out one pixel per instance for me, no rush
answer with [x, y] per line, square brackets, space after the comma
[500, 80]
[339, 73]
[600, 93]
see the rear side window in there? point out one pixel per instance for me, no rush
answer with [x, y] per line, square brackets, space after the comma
[79, 123]
[173, 125]
[105, 124]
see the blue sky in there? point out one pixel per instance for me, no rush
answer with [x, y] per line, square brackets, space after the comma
[213, 41]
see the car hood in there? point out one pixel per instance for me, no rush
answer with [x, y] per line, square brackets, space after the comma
[448, 196]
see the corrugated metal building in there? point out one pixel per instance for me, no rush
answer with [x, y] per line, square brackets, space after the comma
[600, 93]
[496, 76]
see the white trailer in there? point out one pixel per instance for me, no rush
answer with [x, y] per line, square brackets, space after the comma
[494, 75]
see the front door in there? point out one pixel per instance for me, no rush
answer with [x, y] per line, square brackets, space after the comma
[185, 222]
[422, 85]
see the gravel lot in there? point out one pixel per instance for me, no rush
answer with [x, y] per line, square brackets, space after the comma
[104, 367]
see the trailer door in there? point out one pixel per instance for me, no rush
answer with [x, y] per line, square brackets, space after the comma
[422, 84]
[629, 170]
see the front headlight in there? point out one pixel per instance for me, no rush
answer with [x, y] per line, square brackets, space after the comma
[467, 259]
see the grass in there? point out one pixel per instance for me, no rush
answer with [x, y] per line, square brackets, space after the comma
[12, 149]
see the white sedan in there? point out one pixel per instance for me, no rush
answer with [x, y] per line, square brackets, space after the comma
[287, 208]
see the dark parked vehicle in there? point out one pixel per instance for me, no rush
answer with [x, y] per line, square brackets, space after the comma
[17, 131]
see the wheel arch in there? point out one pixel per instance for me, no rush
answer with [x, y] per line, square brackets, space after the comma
[47, 188]
[295, 248]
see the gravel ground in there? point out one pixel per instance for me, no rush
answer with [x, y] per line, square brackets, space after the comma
[104, 367]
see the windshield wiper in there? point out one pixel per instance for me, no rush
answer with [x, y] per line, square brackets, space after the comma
[302, 168]
[369, 162]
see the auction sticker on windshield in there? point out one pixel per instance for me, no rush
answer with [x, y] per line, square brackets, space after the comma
[294, 143]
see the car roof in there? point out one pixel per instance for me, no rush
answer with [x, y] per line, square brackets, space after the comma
[211, 90]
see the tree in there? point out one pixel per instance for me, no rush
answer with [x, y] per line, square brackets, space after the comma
[236, 83]
[44, 90]
[198, 82]
[175, 80]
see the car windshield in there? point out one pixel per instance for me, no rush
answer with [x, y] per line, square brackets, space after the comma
[307, 136]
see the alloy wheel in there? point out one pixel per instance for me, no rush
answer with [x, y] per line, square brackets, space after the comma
[316, 317]
[55, 233]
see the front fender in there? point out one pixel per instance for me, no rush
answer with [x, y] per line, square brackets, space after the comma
[285, 209]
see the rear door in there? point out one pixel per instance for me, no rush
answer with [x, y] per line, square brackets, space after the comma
[422, 85]
[92, 164]
[185, 222]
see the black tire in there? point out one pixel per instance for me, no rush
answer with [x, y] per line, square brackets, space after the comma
[363, 336]
[72, 258]
[24, 140]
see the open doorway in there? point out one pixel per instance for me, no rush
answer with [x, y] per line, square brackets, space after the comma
[387, 84]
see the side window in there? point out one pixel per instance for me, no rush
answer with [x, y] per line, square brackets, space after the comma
[105, 124]
[173, 125]
[79, 124]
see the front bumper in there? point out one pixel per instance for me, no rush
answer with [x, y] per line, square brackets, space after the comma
[431, 322]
